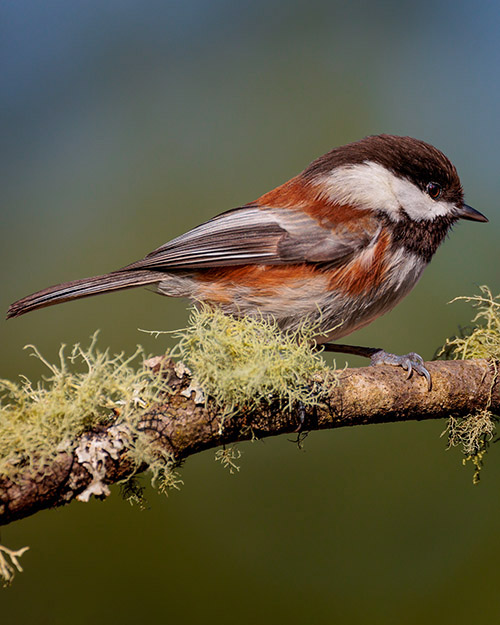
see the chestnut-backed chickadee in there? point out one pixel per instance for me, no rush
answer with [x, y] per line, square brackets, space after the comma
[340, 244]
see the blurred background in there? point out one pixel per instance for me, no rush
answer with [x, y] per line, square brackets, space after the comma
[125, 123]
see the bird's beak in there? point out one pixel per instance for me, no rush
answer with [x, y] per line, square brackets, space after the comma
[467, 212]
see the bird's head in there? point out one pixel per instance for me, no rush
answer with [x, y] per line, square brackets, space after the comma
[398, 177]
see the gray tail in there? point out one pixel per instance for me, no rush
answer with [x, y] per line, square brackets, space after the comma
[86, 287]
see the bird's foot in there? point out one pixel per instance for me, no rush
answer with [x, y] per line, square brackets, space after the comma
[410, 362]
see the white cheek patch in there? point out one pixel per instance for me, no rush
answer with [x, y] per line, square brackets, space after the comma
[373, 187]
[416, 203]
[366, 185]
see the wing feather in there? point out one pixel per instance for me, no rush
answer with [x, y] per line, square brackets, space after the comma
[260, 235]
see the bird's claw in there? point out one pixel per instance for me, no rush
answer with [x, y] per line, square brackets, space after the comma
[409, 362]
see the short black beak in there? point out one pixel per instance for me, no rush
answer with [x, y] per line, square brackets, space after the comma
[467, 212]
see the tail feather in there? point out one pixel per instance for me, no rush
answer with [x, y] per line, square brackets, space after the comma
[86, 287]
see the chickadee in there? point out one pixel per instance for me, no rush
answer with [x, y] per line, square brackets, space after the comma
[340, 244]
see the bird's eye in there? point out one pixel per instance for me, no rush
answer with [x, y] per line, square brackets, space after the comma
[433, 189]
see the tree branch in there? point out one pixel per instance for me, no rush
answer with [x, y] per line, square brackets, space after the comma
[181, 427]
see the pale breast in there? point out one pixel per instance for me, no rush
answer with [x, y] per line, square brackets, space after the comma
[295, 293]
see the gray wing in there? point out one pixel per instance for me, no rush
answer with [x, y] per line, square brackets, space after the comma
[255, 235]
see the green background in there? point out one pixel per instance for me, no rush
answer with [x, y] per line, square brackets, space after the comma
[125, 123]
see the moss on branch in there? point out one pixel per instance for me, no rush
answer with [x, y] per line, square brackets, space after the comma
[97, 419]
[475, 431]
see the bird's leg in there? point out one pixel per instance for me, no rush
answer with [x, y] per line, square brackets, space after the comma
[410, 362]
[355, 350]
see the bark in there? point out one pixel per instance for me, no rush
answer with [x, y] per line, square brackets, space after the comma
[182, 427]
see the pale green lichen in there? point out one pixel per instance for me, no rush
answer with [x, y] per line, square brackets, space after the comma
[245, 362]
[228, 456]
[133, 491]
[86, 389]
[236, 361]
[483, 339]
[9, 563]
[475, 432]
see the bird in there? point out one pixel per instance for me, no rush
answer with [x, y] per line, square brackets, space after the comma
[339, 244]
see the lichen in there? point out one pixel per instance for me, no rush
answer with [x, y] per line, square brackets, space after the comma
[246, 362]
[228, 456]
[91, 403]
[92, 453]
[475, 432]
[236, 363]
[132, 491]
[9, 563]
[87, 389]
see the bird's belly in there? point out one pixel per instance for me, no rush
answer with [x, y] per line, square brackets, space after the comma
[346, 313]
[294, 294]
